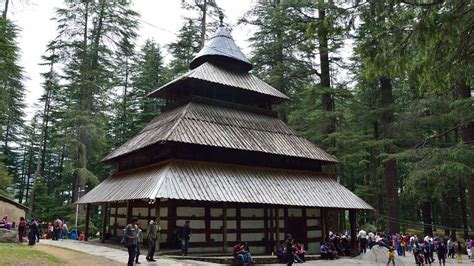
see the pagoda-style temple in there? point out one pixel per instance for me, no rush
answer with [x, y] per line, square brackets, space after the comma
[218, 155]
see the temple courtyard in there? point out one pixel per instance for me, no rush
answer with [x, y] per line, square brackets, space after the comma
[69, 252]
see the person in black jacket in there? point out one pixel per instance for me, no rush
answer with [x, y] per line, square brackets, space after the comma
[184, 236]
[33, 234]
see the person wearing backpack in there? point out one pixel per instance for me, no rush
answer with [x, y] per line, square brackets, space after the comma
[131, 239]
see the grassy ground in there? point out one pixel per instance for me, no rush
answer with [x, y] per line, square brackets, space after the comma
[16, 254]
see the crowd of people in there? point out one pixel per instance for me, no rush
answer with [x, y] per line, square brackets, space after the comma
[290, 251]
[35, 229]
[425, 250]
[336, 245]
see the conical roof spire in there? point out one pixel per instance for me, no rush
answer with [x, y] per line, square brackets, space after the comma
[221, 49]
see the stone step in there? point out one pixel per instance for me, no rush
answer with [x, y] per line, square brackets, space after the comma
[259, 259]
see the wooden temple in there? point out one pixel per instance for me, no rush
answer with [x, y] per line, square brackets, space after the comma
[218, 156]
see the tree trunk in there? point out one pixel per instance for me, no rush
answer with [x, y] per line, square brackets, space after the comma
[203, 8]
[445, 212]
[426, 214]
[464, 92]
[453, 214]
[5, 9]
[390, 164]
[21, 192]
[463, 207]
[329, 124]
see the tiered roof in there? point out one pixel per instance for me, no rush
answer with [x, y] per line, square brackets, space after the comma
[203, 181]
[228, 126]
[212, 73]
[221, 48]
[218, 126]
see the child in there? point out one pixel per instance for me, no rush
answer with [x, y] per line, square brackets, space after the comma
[299, 256]
[468, 249]
[458, 249]
[391, 256]
[82, 237]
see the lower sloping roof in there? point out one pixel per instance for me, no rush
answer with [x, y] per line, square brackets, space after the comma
[204, 181]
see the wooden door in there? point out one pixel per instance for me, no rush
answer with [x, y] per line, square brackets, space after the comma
[295, 226]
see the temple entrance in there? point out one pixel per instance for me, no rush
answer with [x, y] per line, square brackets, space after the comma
[296, 227]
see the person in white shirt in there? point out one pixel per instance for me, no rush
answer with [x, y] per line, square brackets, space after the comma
[371, 240]
[362, 236]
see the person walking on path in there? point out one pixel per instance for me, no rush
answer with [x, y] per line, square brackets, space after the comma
[64, 231]
[153, 231]
[57, 226]
[33, 235]
[362, 236]
[471, 244]
[391, 256]
[21, 229]
[450, 248]
[458, 250]
[468, 248]
[184, 236]
[131, 236]
[139, 242]
[441, 252]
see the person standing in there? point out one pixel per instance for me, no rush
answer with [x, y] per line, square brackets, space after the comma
[391, 256]
[139, 242]
[468, 248]
[21, 229]
[450, 248]
[57, 226]
[184, 236]
[153, 231]
[458, 250]
[441, 251]
[64, 231]
[33, 234]
[471, 243]
[131, 236]
[362, 236]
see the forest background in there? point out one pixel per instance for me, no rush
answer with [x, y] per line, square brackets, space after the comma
[398, 113]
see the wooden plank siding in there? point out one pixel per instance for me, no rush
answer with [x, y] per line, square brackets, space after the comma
[252, 223]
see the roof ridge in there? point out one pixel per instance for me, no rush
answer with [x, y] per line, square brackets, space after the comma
[180, 118]
[162, 180]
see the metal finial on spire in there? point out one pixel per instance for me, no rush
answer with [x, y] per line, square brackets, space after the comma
[221, 18]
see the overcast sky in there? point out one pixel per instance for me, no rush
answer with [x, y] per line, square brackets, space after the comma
[160, 20]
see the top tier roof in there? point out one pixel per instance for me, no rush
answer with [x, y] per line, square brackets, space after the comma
[211, 73]
[221, 47]
[221, 62]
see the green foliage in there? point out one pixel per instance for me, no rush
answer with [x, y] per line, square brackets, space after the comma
[409, 44]
[97, 82]
[184, 48]
[5, 179]
[11, 100]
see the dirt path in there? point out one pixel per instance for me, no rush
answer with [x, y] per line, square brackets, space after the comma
[70, 257]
